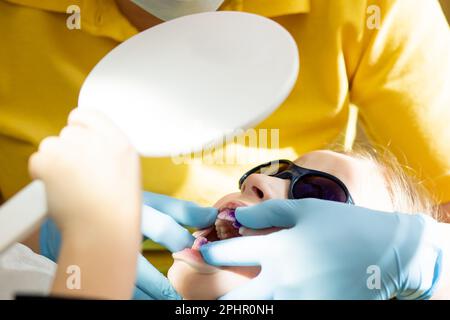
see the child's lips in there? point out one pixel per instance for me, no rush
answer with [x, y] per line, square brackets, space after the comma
[194, 259]
[226, 227]
[192, 256]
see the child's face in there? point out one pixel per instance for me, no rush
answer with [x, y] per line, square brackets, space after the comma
[194, 279]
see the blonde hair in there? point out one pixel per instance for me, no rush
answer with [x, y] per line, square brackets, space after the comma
[407, 193]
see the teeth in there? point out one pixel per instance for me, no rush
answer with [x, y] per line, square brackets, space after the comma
[227, 214]
[226, 224]
[200, 241]
[203, 232]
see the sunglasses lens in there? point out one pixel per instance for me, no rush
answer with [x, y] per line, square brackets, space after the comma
[319, 188]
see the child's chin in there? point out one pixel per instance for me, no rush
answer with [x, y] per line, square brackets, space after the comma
[192, 285]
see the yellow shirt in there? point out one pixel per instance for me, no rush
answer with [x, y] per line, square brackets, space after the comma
[398, 75]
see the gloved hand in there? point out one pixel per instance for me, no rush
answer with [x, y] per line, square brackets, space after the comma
[162, 216]
[332, 251]
[162, 227]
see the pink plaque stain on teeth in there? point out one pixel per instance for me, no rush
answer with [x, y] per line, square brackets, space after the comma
[199, 241]
[226, 224]
[225, 227]
[229, 215]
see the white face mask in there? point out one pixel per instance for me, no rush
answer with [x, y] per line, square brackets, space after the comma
[171, 9]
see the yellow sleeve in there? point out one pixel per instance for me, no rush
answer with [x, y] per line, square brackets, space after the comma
[402, 88]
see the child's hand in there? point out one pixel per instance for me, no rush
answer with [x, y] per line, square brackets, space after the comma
[92, 179]
[91, 173]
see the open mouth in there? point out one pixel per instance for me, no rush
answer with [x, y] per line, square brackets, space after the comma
[225, 227]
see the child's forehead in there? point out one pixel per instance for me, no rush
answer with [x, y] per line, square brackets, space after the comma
[324, 156]
[341, 165]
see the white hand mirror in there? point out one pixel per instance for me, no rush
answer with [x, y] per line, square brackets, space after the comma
[177, 87]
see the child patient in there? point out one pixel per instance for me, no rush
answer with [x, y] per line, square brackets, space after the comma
[355, 178]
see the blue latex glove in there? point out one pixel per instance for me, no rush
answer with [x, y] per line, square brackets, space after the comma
[158, 226]
[332, 251]
[164, 226]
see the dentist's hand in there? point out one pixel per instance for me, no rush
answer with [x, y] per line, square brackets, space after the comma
[162, 217]
[164, 225]
[332, 251]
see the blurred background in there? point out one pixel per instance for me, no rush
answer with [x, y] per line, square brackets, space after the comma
[446, 6]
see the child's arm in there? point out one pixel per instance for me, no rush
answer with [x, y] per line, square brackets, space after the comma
[99, 265]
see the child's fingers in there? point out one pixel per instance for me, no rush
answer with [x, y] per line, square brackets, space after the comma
[40, 161]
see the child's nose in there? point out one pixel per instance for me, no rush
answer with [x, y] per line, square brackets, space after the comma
[264, 187]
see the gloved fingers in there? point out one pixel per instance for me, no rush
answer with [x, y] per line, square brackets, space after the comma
[256, 289]
[271, 213]
[152, 283]
[164, 230]
[184, 212]
[242, 251]
[139, 294]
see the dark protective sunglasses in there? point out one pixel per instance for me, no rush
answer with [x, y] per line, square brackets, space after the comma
[305, 183]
